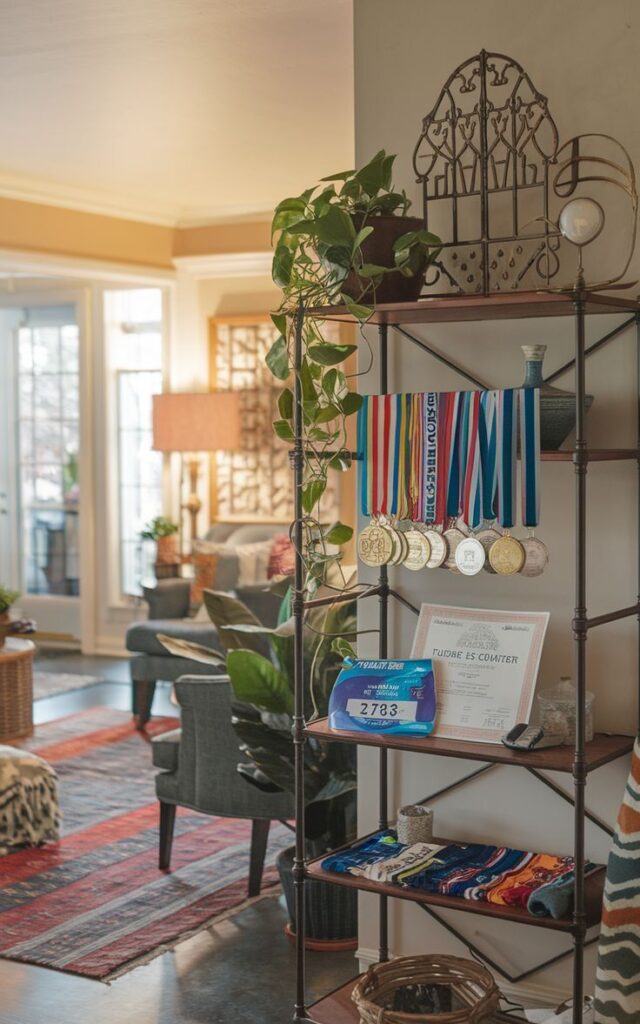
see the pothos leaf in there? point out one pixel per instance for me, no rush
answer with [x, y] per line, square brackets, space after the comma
[330, 355]
[312, 493]
[277, 358]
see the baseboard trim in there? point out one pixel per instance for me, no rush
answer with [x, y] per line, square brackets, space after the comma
[110, 648]
[529, 994]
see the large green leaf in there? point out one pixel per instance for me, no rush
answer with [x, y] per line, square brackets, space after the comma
[285, 404]
[283, 430]
[335, 227]
[312, 493]
[188, 649]
[331, 355]
[339, 533]
[225, 610]
[277, 359]
[255, 680]
[282, 266]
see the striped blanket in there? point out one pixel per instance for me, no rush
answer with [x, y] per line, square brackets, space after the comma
[618, 972]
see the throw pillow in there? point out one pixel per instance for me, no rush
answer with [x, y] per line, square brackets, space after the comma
[253, 562]
[282, 558]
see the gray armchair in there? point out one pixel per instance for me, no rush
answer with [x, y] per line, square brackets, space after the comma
[169, 611]
[199, 770]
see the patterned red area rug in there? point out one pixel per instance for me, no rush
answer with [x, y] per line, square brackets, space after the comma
[95, 903]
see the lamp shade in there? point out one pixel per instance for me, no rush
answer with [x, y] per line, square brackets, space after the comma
[200, 422]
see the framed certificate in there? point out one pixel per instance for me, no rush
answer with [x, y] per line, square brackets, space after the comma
[485, 664]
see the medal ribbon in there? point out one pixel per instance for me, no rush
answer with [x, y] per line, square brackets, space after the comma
[453, 461]
[416, 446]
[363, 454]
[507, 441]
[530, 454]
[430, 457]
[488, 452]
[471, 503]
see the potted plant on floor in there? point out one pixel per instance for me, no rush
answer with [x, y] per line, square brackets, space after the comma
[164, 532]
[7, 598]
[259, 662]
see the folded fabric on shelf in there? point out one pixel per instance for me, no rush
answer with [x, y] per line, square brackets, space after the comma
[383, 844]
[541, 883]
[410, 861]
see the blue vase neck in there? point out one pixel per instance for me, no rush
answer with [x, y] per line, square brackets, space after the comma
[533, 374]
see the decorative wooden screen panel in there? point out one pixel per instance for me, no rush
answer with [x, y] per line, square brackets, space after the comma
[256, 482]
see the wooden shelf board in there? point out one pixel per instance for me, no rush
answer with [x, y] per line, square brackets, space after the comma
[602, 749]
[595, 455]
[461, 308]
[338, 1008]
[594, 885]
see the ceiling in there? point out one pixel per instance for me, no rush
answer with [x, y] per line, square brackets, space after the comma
[177, 111]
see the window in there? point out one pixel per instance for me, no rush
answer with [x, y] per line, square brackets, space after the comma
[133, 339]
[49, 440]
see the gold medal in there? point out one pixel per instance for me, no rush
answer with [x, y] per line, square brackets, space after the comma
[400, 546]
[487, 537]
[470, 556]
[375, 545]
[506, 555]
[453, 537]
[419, 551]
[439, 549]
[536, 556]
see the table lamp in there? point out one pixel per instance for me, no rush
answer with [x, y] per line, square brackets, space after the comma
[191, 423]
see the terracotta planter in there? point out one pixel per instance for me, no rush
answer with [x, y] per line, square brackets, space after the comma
[5, 619]
[378, 249]
[167, 550]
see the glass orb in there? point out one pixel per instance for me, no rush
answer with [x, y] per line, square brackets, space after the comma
[581, 220]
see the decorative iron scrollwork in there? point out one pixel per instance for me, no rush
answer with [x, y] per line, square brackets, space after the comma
[492, 172]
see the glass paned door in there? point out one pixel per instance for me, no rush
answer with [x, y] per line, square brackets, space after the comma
[49, 446]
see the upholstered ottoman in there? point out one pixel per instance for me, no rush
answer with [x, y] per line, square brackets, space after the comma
[29, 809]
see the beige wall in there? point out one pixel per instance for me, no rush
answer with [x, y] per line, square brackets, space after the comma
[583, 57]
[40, 228]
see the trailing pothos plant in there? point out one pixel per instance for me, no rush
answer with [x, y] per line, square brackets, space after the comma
[319, 260]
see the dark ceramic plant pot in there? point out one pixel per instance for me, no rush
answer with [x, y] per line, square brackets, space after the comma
[378, 249]
[331, 911]
[557, 407]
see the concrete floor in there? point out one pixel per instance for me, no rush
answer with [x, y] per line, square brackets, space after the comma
[240, 970]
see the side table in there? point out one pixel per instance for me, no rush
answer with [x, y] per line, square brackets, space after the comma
[16, 689]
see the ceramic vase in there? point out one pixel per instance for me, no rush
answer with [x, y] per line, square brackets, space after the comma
[557, 407]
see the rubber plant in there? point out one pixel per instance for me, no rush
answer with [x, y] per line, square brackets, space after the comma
[259, 663]
[322, 240]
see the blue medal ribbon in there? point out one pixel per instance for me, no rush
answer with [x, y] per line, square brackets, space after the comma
[530, 454]
[453, 475]
[507, 449]
[488, 429]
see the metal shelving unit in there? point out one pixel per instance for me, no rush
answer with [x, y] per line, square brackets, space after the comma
[336, 1008]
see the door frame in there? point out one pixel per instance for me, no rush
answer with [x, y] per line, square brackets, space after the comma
[84, 631]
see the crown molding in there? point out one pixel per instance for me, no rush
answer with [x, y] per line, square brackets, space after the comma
[231, 264]
[126, 207]
[105, 204]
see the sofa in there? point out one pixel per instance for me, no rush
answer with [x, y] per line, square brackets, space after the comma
[170, 613]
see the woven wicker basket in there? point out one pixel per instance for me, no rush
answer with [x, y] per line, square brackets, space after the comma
[16, 689]
[470, 984]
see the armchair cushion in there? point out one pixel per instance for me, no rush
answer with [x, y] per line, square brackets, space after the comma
[142, 637]
[168, 599]
[165, 750]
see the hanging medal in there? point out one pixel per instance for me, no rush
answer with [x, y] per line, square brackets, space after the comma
[453, 431]
[375, 543]
[507, 554]
[419, 547]
[470, 554]
[536, 554]
[488, 433]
